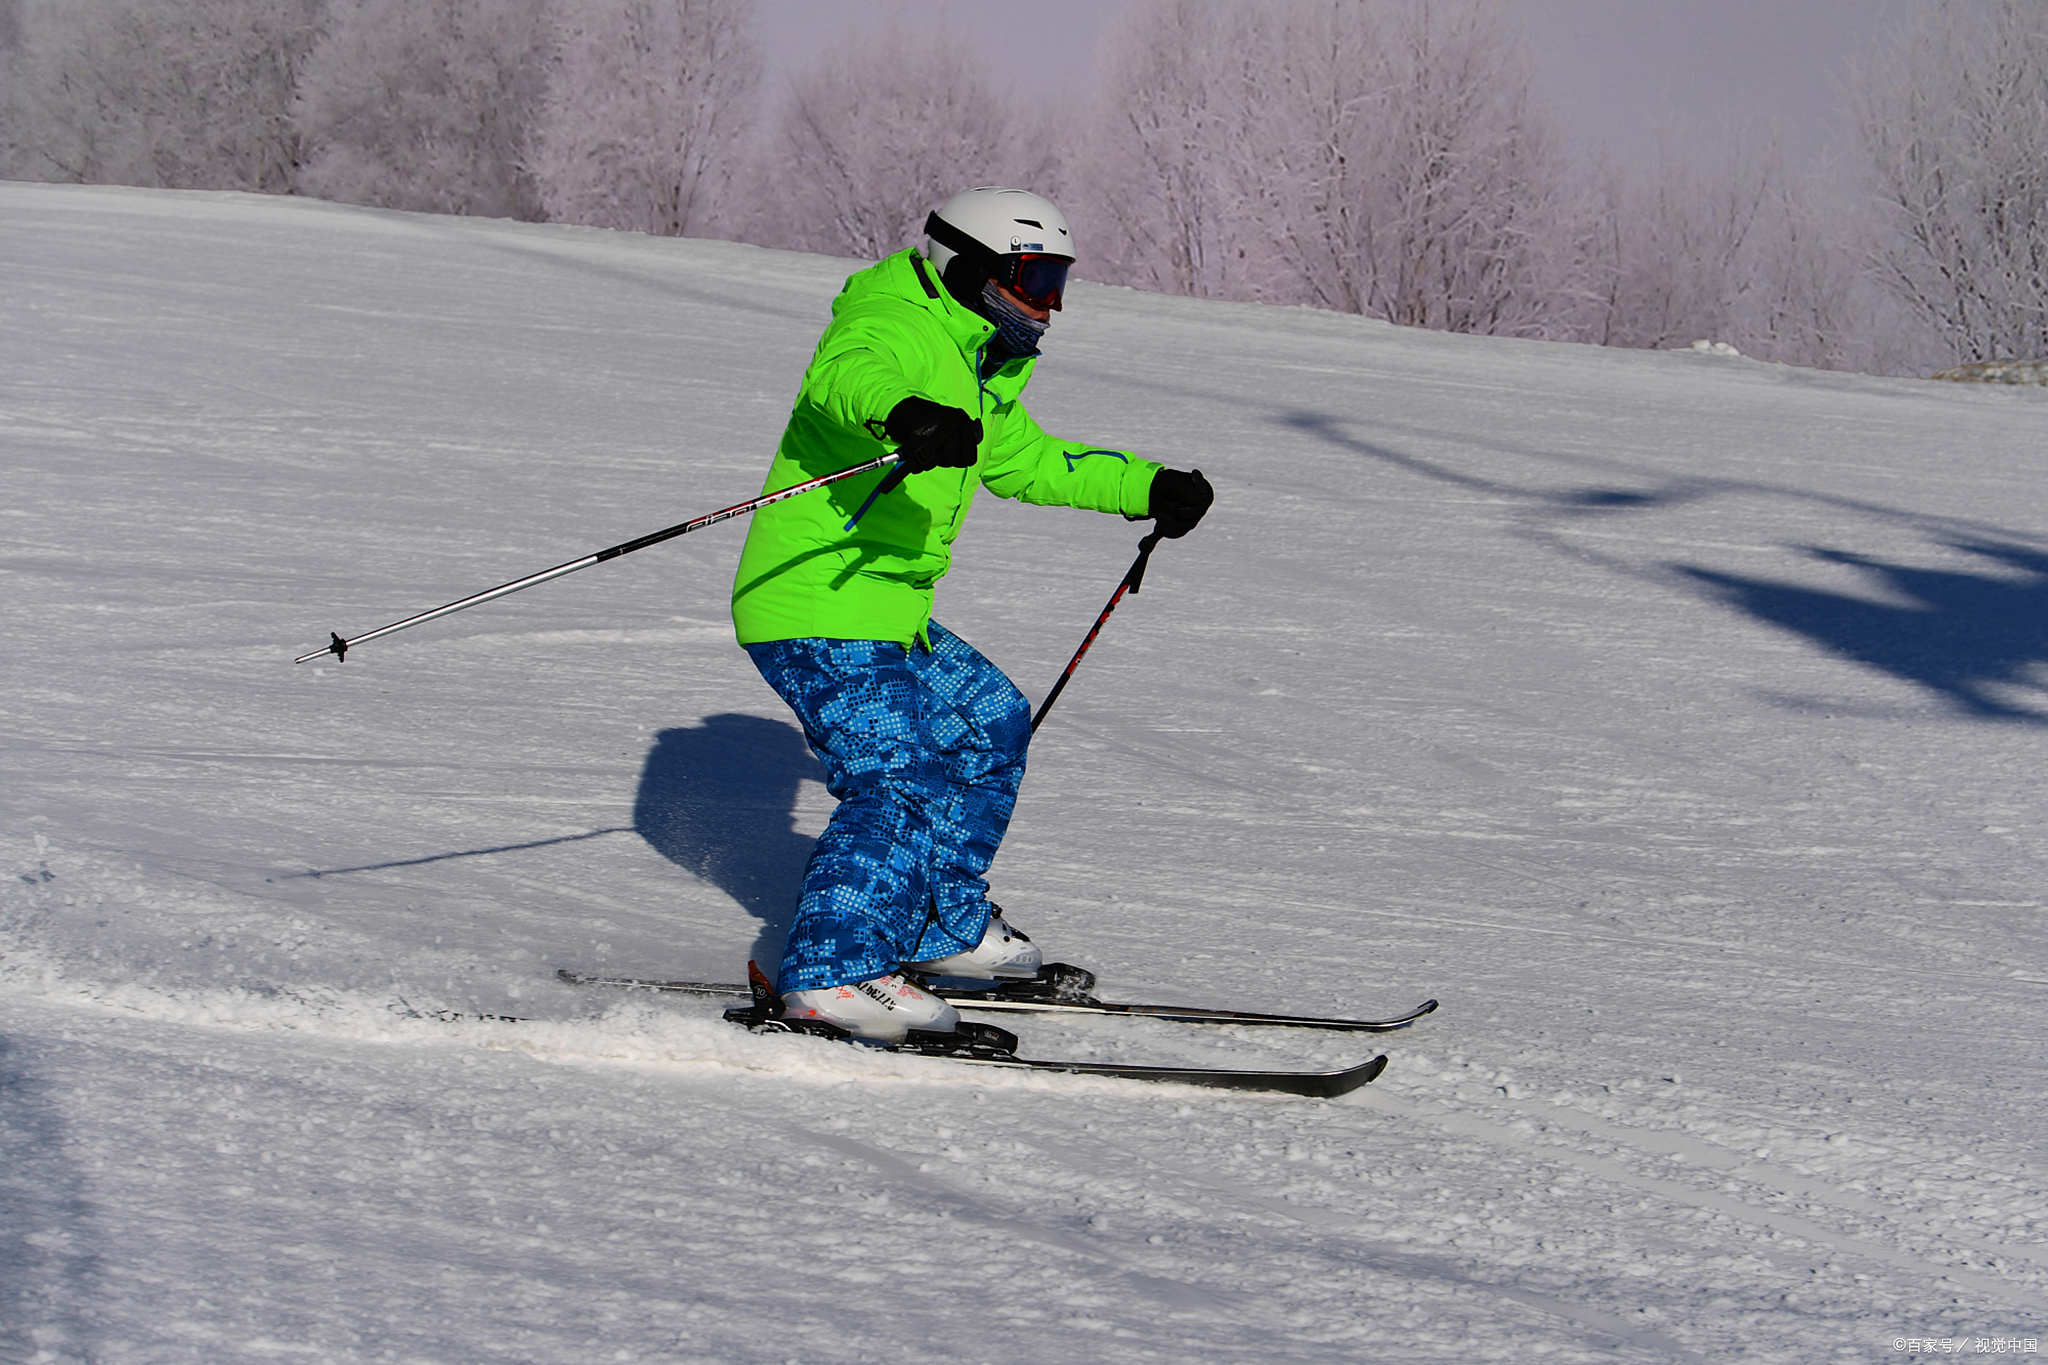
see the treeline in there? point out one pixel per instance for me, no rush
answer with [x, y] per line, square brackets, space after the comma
[1383, 157]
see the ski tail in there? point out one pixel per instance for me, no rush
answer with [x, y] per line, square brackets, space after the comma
[767, 1004]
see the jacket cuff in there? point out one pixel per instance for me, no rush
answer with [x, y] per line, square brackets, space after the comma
[1136, 493]
[885, 403]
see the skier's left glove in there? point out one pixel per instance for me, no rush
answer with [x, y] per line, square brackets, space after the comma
[1178, 501]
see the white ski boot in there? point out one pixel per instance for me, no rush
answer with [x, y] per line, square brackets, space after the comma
[884, 1009]
[1004, 953]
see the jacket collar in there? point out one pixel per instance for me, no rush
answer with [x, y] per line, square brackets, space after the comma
[908, 276]
[914, 276]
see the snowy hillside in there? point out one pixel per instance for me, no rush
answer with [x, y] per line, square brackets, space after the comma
[1678, 720]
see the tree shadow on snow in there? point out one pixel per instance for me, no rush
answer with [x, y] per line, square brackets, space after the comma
[1564, 500]
[719, 799]
[1960, 635]
[1967, 637]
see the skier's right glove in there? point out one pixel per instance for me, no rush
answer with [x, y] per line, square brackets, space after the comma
[1178, 501]
[931, 435]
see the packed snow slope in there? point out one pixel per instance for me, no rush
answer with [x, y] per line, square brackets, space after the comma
[1678, 720]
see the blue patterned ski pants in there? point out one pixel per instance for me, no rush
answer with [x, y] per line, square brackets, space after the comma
[924, 749]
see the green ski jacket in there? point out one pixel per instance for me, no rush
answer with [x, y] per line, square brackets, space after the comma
[895, 332]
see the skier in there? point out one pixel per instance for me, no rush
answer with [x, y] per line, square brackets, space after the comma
[922, 738]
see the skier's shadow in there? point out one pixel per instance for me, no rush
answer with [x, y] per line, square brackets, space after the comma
[719, 799]
[49, 1279]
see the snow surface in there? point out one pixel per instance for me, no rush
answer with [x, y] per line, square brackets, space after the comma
[1679, 721]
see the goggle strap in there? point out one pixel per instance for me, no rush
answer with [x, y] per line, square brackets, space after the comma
[945, 234]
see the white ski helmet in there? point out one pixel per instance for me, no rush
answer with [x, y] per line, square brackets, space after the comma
[1015, 237]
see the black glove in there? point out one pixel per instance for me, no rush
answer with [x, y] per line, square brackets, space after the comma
[929, 435]
[1178, 501]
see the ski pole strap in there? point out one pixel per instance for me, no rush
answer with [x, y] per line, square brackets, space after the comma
[1137, 573]
[1134, 576]
[888, 484]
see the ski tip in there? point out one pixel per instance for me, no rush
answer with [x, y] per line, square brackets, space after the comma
[1426, 1007]
[1339, 1083]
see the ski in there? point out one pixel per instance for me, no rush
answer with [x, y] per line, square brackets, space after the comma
[1312, 1084]
[1324, 1085]
[1058, 988]
[642, 983]
[987, 1045]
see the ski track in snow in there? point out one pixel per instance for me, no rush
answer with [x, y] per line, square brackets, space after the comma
[1676, 719]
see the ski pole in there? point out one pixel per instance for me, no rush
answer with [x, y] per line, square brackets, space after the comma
[1132, 579]
[339, 647]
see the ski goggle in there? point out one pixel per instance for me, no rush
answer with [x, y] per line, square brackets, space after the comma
[1038, 280]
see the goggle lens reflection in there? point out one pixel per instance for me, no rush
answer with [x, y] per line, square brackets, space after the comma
[1039, 280]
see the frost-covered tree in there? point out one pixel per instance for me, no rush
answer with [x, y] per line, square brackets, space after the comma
[1954, 125]
[1680, 244]
[186, 94]
[647, 114]
[11, 150]
[1408, 175]
[425, 104]
[1152, 180]
[1730, 247]
[1369, 156]
[871, 138]
[1804, 296]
